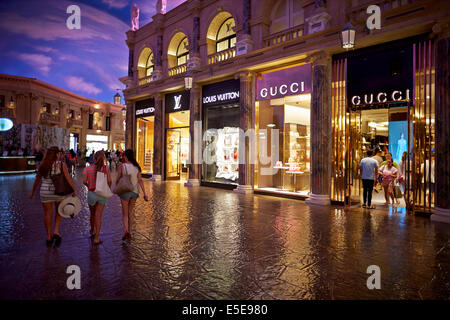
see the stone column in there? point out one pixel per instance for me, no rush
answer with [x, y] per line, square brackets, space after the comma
[130, 121]
[246, 138]
[158, 143]
[195, 132]
[245, 42]
[320, 130]
[442, 162]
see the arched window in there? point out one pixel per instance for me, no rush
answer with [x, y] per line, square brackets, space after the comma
[149, 66]
[226, 37]
[182, 52]
[287, 14]
[145, 64]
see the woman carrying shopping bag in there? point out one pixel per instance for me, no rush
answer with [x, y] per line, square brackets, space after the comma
[49, 168]
[128, 181]
[97, 179]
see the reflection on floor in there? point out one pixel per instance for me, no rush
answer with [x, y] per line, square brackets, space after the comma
[291, 193]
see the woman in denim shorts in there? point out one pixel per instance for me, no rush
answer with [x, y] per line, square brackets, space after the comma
[128, 200]
[96, 202]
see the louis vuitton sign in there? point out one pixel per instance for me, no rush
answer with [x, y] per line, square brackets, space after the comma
[178, 101]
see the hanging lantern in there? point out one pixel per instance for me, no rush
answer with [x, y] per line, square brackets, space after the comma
[124, 112]
[347, 36]
[188, 80]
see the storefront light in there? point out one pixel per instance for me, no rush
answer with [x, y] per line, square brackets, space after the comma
[11, 104]
[347, 36]
[188, 80]
[124, 112]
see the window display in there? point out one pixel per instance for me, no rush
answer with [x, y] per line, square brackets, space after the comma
[287, 118]
[177, 145]
[221, 145]
[144, 143]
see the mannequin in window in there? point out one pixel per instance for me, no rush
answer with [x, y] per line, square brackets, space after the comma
[401, 147]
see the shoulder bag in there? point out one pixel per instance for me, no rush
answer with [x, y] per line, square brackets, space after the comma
[124, 184]
[101, 185]
[62, 187]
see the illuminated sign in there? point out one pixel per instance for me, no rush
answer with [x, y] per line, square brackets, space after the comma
[177, 101]
[285, 82]
[5, 124]
[221, 93]
[382, 97]
[145, 108]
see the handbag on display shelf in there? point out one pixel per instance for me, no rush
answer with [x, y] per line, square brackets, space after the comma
[101, 185]
[124, 184]
[62, 187]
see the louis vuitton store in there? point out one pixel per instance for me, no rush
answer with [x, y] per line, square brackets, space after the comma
[145, 124]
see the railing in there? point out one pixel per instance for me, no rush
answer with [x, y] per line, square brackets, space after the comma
[358, 12]
[145, 80]
[74, 123]
[284, 36]
[7, 113]
[178, 70]
[222, 55]
[49, 118]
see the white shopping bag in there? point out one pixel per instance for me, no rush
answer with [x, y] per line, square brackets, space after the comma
[101, 186]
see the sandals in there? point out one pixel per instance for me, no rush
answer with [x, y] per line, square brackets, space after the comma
[126, 235]
[57, 239]
[49, 242]
[97, 243]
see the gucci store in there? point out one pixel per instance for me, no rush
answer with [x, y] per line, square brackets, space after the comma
[145, 124]
[282, 123]
[221, 115]
[177, 135]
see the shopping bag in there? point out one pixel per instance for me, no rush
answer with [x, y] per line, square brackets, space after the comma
[101, 186]
[397, 192]
[124, 184]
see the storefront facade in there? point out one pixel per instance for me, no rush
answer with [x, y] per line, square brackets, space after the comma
[145, 124]
[283, 109]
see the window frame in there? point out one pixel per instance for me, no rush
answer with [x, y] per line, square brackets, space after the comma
[185, 54]
[149, 66]
[228, 39]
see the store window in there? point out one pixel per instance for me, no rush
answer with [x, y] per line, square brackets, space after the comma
[182, 52]
[287, 14]
[144, 145]
[221, 132]
[283, 125]
[226, 37]
[145, 124]
[177, 145]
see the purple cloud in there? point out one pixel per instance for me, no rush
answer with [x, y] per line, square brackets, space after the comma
[79, 84]
[117, 4]
[39, 62]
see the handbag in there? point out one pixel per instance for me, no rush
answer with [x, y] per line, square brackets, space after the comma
[62, 187]
[397, 191]
[124, 184]
[101, 186]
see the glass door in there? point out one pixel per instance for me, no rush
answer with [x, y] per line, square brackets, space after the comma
[173, 158]
[354, 156]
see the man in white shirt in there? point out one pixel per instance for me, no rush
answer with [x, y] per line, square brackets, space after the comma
[369, 168]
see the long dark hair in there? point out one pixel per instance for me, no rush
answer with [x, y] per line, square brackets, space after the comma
[99, 160]
[51, 156]
[130, 156]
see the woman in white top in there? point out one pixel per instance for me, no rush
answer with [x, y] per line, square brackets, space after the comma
[51, 166]
[130, 167]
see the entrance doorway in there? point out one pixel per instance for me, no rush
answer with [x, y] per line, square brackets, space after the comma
[177, 146]
[385, 131]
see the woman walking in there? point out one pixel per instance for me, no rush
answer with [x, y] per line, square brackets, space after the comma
[128, 200]
[96, 203]
[388, 173]
[72, 161]
[51, 165]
